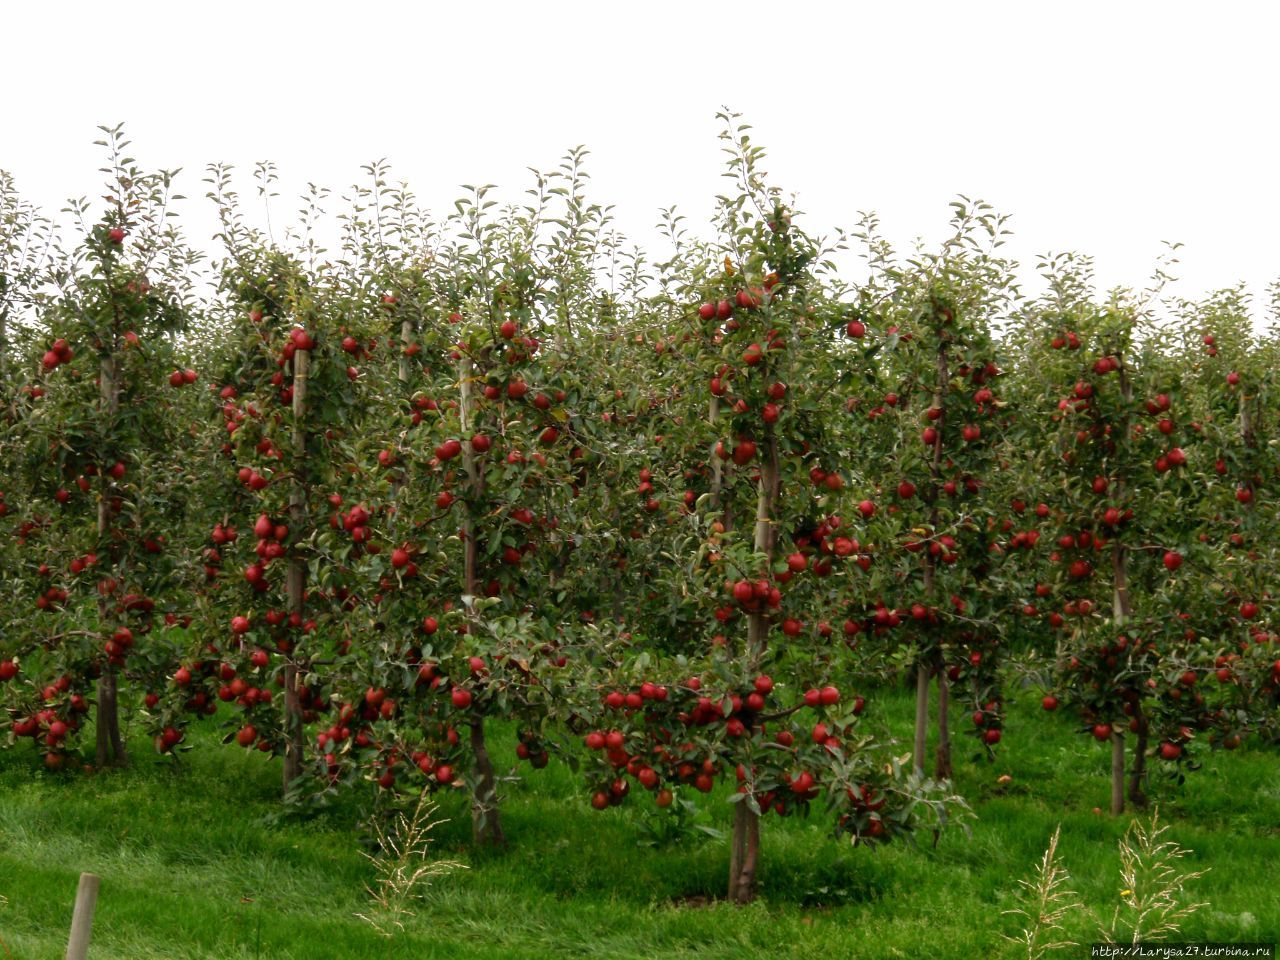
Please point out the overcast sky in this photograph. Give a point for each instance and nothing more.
(1105, 128)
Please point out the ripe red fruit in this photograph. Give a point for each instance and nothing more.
(867, 509)
(707, 311)
(115, 235)
(1248, 610)
(399, 557)
(1172, 560)
(1102, 731)
(1050, 702)
(508, 329)
(991, 737)
(182, 676)
(856, 329)
(829, 696)
(246, 735)
(1170, 751)
(764, 685)
(176, 379)
(797, 562)
(8, 670)
(461, 698)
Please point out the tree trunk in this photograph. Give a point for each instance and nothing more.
(744, 846)
(404, 375)
(1138, 775)
(1117, 773)
(931, 658)
(110, 747)
(744, 854)
(486, 825)
(717, 465)
(406, 333)
(1119, 617)
(486, 822)
(4, 344)
(942, 769)
(296, 576)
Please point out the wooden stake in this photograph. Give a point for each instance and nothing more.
(82, 917)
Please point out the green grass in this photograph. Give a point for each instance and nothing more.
(197, 863)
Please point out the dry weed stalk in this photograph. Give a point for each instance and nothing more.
(404, 870)
(1043, 903)
(1150, 907)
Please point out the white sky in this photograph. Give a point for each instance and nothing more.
(1101, 127)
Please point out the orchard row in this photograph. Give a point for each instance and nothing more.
(678, 520)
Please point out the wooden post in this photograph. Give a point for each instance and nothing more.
(82, 918)
(296, 575)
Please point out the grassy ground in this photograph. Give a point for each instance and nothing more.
(195, 863)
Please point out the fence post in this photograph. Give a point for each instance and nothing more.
(82, 919)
